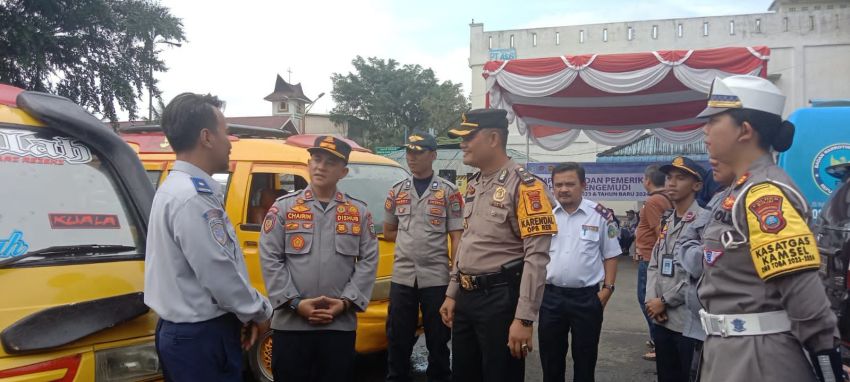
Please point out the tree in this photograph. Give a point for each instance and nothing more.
(384, 100)
(98, 53)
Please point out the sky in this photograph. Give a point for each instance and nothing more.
(235, 49)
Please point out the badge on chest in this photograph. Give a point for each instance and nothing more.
(667, 265)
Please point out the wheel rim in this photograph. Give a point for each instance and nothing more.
(264, 356)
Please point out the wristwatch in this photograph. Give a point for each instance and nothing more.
(293, 304)
(609, 287)
(526, 323)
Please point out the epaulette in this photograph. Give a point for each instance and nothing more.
(604, 212)
(398, 183)
(525, 176)
(355, 199)
(448, 184)
(289, 195)
(473, 177)
(201, 186)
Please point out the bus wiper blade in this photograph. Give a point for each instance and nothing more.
(69, 249)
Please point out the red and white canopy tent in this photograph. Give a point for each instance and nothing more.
(614, 98)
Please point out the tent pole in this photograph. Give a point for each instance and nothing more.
(527, 147)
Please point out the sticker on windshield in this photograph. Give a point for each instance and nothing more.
(13, 246)
(84, 221)
(20, 146)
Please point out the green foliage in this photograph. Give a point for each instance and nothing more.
(382, 100)
(98, 53)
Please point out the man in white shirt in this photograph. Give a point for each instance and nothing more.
(583, 254)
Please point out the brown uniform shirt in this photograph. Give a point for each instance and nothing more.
(421, 246)
(507, 215)
(774, 267)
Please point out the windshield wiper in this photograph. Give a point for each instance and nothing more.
(68, 250)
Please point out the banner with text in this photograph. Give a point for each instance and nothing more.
(605, 181)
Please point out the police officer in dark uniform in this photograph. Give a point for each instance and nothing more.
(497, 282)
(195, 275)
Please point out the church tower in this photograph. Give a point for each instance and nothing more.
(288, 100)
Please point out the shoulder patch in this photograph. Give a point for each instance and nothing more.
(602, 210)
(534, 211)
(780, 239)
(201, 186)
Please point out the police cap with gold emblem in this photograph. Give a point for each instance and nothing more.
(421, 141)
(476, 119)
(330, 144)
(685, 164)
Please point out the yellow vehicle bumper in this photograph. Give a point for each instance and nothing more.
(372, 328)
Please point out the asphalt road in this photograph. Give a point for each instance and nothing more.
(622, 344)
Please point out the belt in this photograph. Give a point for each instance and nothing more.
(485, 281)
(753, 324)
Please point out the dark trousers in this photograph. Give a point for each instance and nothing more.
(480, 336)
(641, 296)
(402, 319)
(313, 355)
(200, 351)
(674, 354)
(566, 310)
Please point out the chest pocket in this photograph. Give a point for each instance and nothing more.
(403, 214)
(435, 217)
(347, 245)
(299, 239)
(495, 214)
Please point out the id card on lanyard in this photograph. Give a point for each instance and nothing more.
(667, 265)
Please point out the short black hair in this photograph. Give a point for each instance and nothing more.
(503, 135)
(185, 116)
(655, 176)
(570, 166)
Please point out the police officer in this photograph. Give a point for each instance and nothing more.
(195, 276)
(319, 256)
(666, 285)
(420, 211)
(497, 282)
(765, 308)
(689, 254)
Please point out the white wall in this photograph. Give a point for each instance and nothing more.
(808, 60)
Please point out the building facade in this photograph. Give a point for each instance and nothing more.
(809, 42)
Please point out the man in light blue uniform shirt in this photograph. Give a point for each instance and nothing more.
(583, 254)
(195, 275)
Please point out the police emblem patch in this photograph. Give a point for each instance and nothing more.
(341, 228)
(268, 223)
(299, 208)
(500, 193)
(218, 231)
(436, 222)
(297, 242)
(291, 226)
(711, 256)
(768, 210)
(340, 209)
(689, 216)
(388, 205)
(355, 229)
(738, 325)
(439, 194)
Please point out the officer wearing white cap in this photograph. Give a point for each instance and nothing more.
(765, 310)
(421, 212)
(195, 275)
